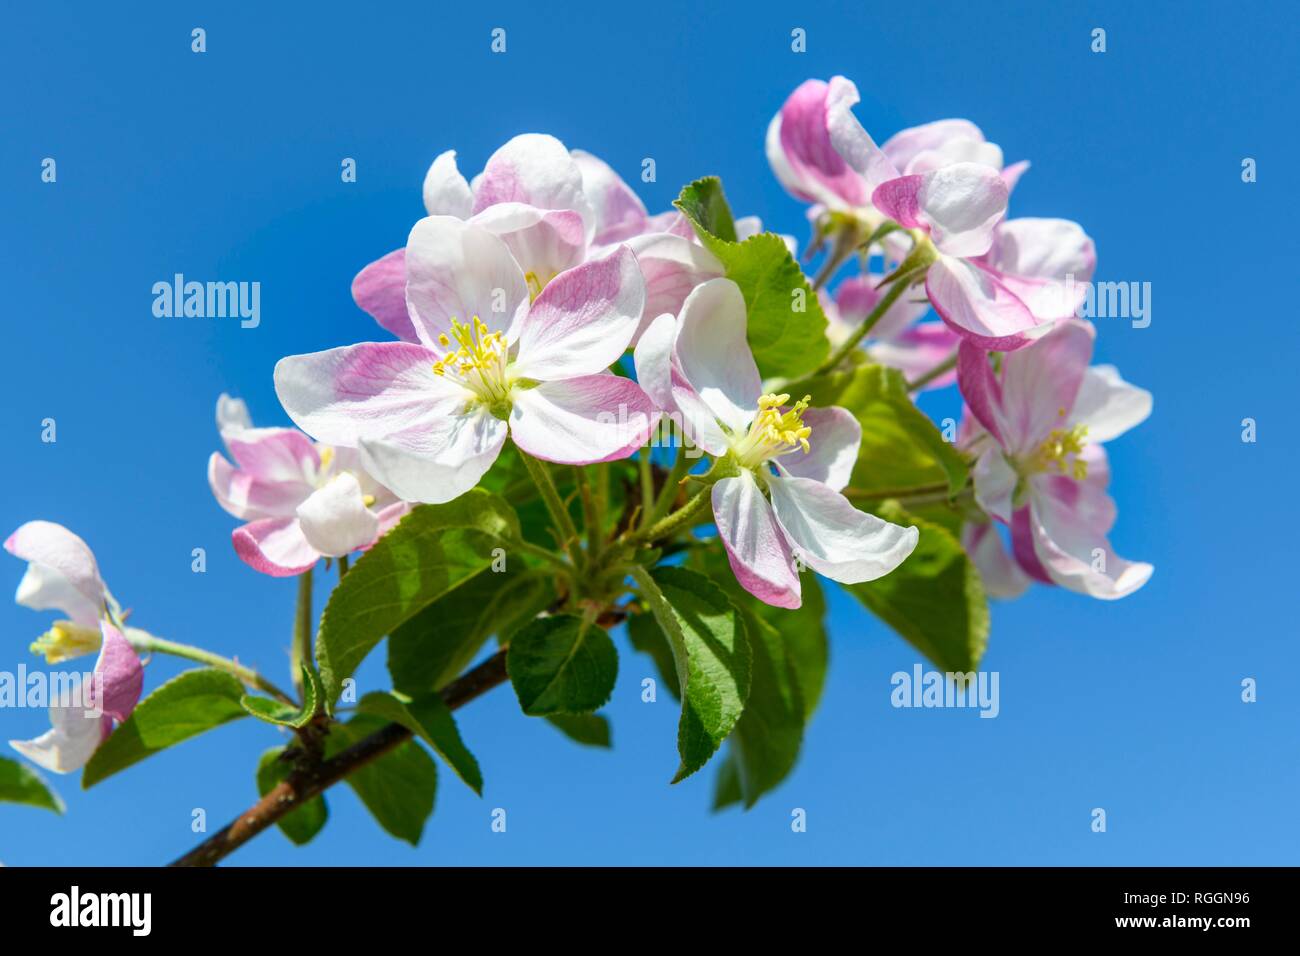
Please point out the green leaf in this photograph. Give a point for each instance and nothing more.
(706, 206)
(712, 659)
(790, 657)
(648, 637)
(184, 707)
(901, 448)
(20, 784)
(277, 712)
(562, 665)
(432, 550)
(429, 719)
(436, 645)
(934, 599)
(299, 825)
(589, 729)
(398, 788)
(787, 327)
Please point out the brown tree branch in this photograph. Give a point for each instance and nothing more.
(309, 781)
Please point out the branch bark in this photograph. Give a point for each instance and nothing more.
(310, 781)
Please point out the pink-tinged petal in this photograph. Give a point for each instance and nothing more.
(1108, 405)
(1041, 383)
(858, 295)
(459, 270)
(756, 549)
(917, 350)
(800, 148)
(980, 388)
(583, 320)
(274, 546)
(232, 414)
(1011, 174)
(580, 421)
(445, 191)
(852, 142)
(978, 307)
(73, 737)
(653, 357)
(380, 290)
(834, 538)
(1022, 547)
(1047, 263)
(672, 267)
(1001, 576)
(959, 204)
(619, 212)
(119, 676)
(249, 498)
(833, 448)
(995, 483)
(672, 222)
(389, 517)
(1069, 521)
(343, 395)
(698, 421)
(900, 200)
(437, 460)
(335, 520)
(904, 146)
(61, 575)
(274, 454)
(960, 150)
(536, 169)
(714, 356)
(544, 242)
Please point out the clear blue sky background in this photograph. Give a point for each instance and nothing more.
(226, 166)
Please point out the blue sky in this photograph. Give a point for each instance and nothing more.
(225, 166)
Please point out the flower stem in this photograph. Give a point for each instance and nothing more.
(668, 494)
(150, 644)
(301, 652)
(647, 483)
(943, 368)
(677, 521)
(529, 548)
(560, 519)
(875, 315)
(590, 514)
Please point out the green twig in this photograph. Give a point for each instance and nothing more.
(147, 643)
(560, 519)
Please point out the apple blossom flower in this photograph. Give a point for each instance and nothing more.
(995, 283)
(897, 340)
(821, 154)
(302, 501)
(783, 499)
(1037, 431)
(554, 208)
(62, 575)
(80, 722)
(492, 359)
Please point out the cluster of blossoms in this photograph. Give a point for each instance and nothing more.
(511, 312)
(932, 203)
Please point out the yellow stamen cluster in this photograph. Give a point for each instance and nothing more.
(65, 641)
(773, 432)
(479, 359)
(1061, 450)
